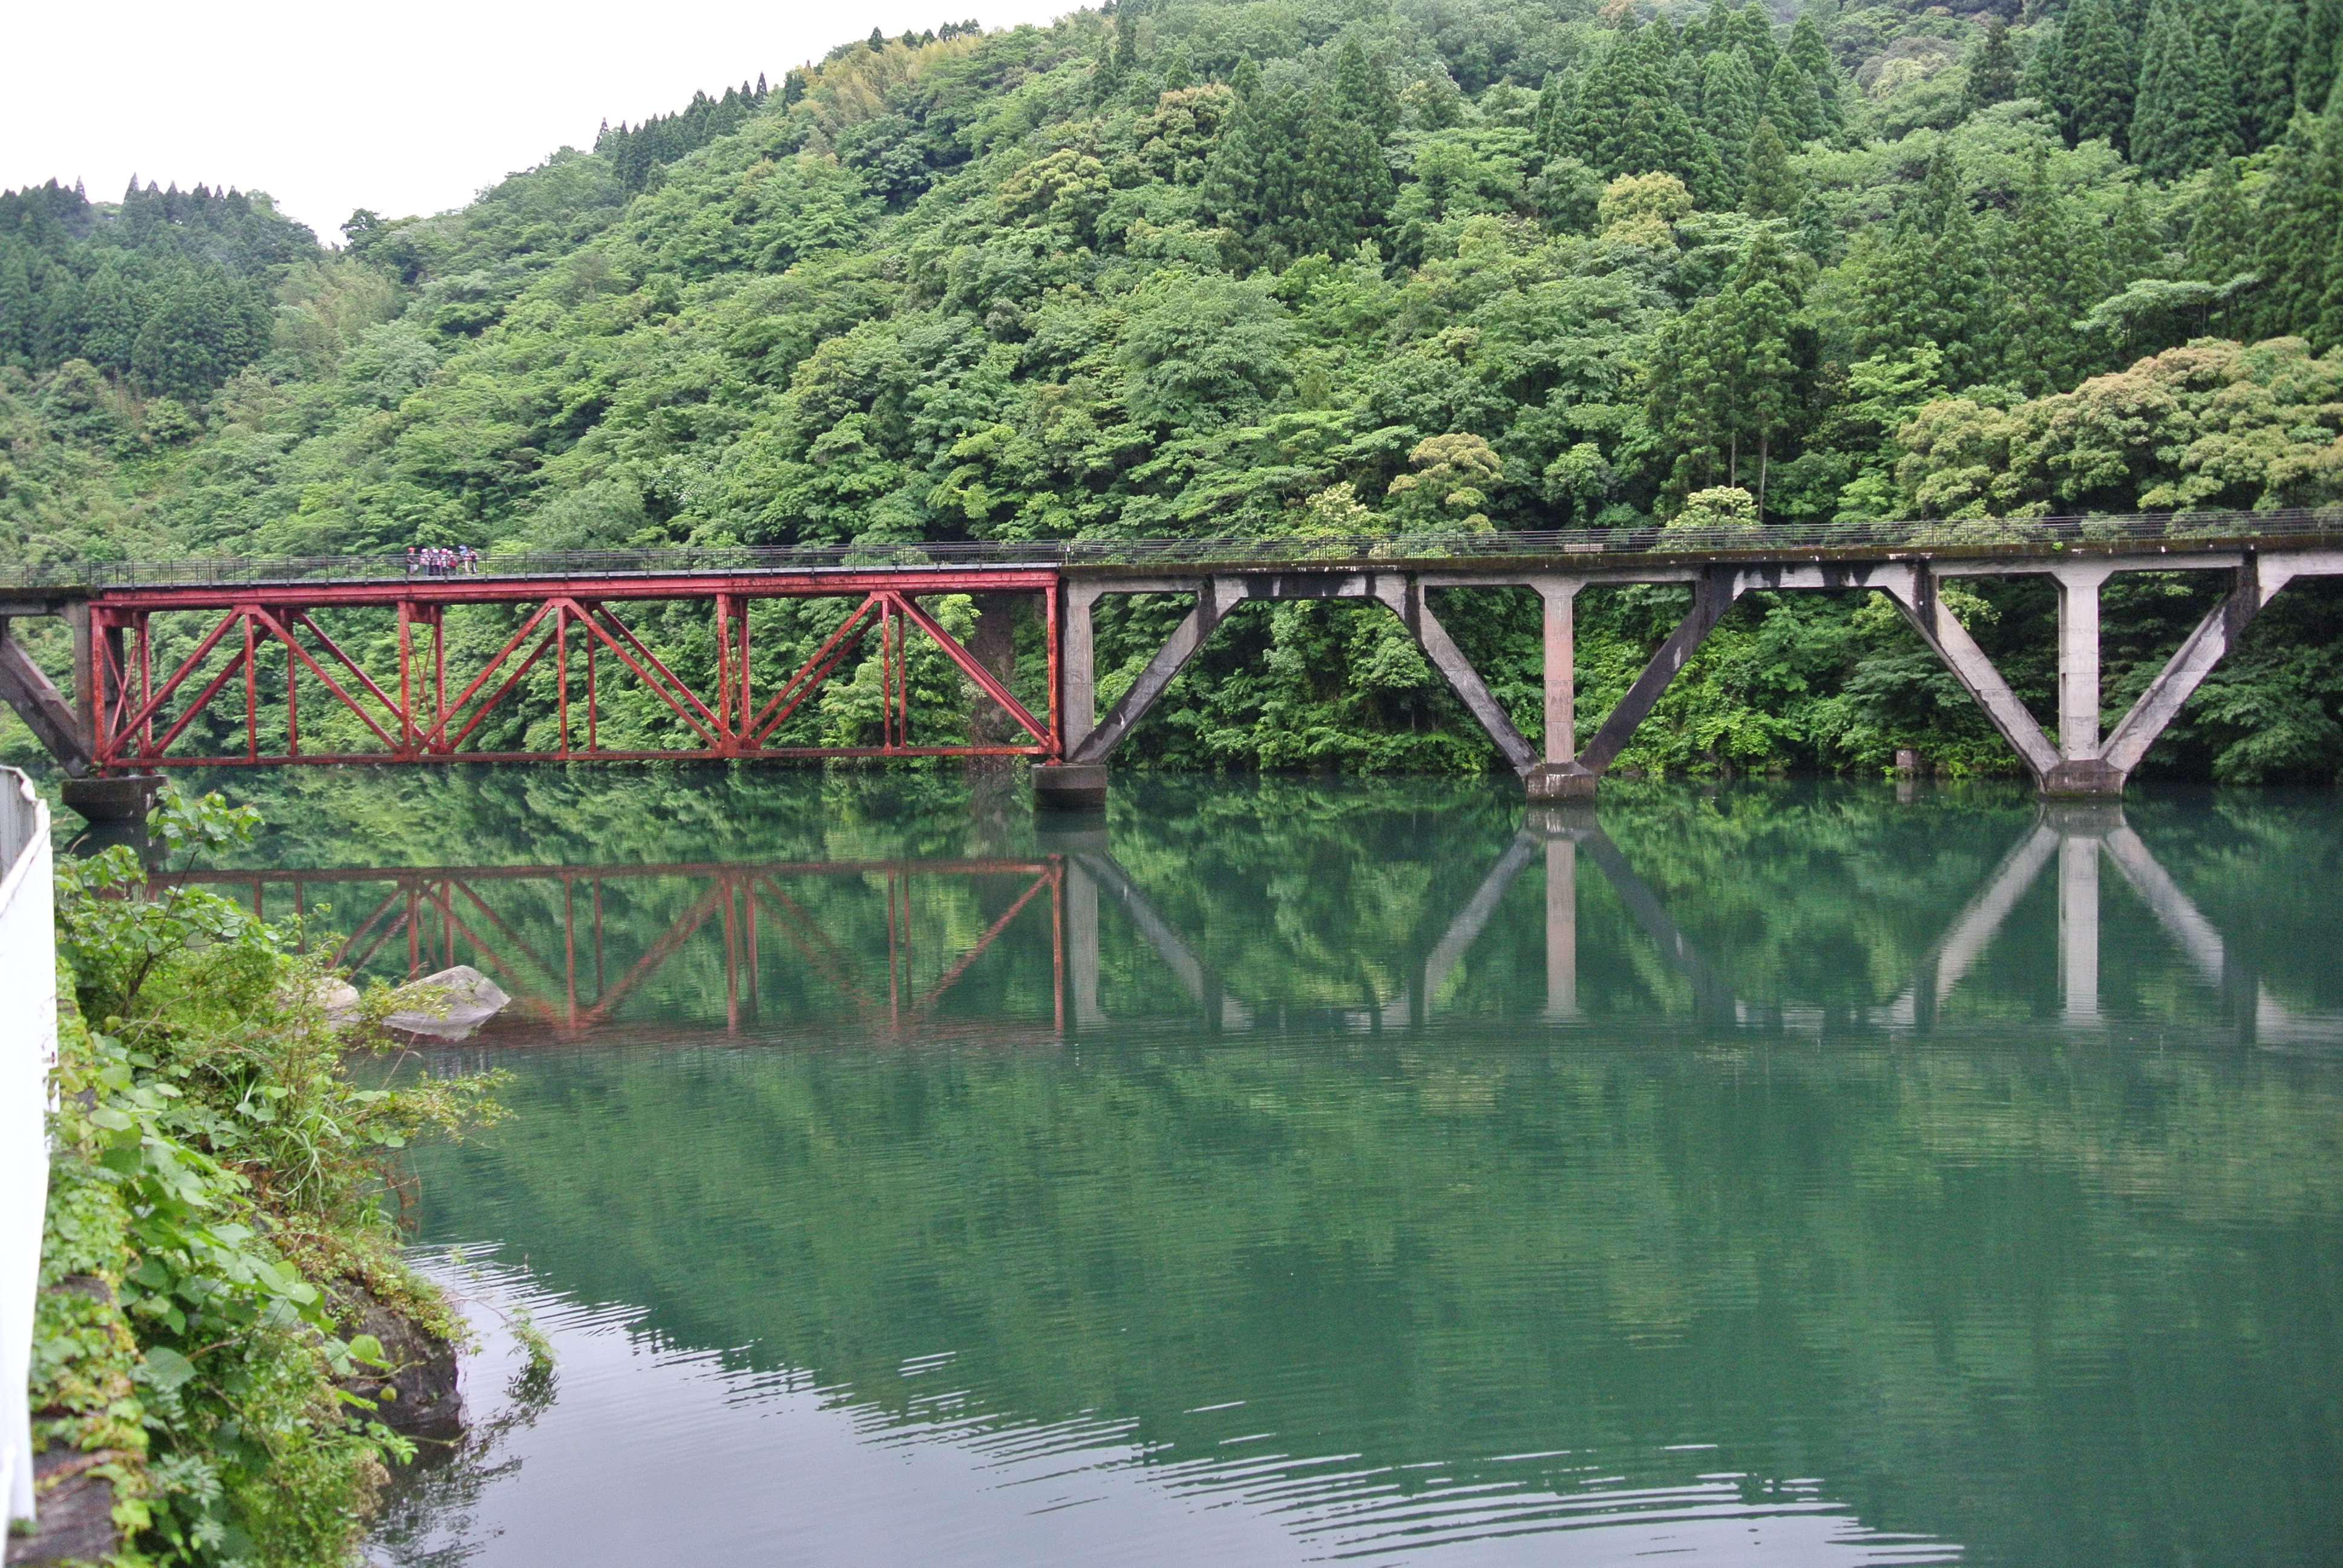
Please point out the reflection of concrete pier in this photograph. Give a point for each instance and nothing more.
(1561, 929)
(2079, 926)
(1465, 928)
(1091, 870)
(1565, 830)
(2078, 835)
(1094, 879)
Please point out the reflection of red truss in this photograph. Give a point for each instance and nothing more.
(140, 716)
(437, 906)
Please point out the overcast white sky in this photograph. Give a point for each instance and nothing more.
(403, 108)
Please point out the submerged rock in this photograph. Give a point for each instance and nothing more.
(449, 1005)
(414, 1392)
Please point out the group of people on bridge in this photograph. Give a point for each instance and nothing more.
(442, 560)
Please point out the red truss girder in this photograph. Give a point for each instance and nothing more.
(138, 717)
(436, 908)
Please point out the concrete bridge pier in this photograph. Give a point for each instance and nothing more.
(1078, 783)
(2083, 763)
(1069, 786)
(2081, 773)
(1560, 776)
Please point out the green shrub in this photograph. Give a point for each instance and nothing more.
(219, 1176)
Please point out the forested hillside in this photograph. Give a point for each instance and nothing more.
(1197, 266)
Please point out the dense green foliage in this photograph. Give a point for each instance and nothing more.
(215, 1194)
(1338, 266)
(171, 292)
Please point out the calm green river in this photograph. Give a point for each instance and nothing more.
(1284, 1171)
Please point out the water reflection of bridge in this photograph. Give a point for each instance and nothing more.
(2078, 837)
(443, 918)
(568, 984)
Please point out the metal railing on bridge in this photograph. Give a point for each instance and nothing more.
(2015, 537)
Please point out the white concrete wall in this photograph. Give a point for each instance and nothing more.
(28, 1051)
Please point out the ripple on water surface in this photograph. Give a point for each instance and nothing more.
(639, 1451)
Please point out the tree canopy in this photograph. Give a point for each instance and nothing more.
(1234, 266)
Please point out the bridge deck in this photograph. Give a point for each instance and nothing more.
(965, 567)
(133, 703)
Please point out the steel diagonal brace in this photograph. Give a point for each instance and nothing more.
(283, 633)
(839, 646)
(202, 699)
(666, 686)
(970, 667)
(301, 617)
(162, 694)
(436, 735)
(481, 712)
(110, 669)
(1214, 601)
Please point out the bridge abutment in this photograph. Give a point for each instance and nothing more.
(2084, 778)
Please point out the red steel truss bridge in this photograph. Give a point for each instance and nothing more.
(263, 647)
(249, 642)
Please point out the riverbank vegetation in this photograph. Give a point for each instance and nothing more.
(1189, 266)
(220, 1269)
